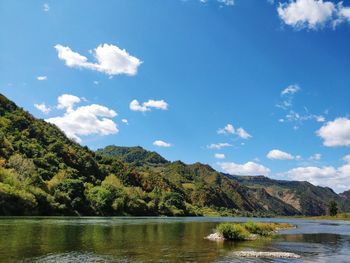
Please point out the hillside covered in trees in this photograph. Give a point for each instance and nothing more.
(42, 172)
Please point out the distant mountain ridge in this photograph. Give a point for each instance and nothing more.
(42, 172)
(275, 196)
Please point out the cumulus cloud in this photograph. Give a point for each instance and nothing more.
(249, 168)
(125, 121)
(229, 129)
(279, 155)
(67, 101)
(219, 146)
(84, 120)
(41, 77)
(148, 105)
(219, 156)
(313, 14)
(335, 133)
(110, 60)
(160, 143)
(43, 108)
(306, 13)
(336, 178)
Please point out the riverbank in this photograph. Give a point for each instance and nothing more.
(345, 217)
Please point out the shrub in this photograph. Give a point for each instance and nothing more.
(233, 231)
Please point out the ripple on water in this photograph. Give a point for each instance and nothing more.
(76, 257)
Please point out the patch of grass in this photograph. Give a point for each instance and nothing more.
(243, 231)
(233, 231)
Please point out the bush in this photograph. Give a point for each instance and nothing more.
(233, 231)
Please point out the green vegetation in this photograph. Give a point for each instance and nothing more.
(232, 231)
(42, 172)
(333, 208)
(249, 230)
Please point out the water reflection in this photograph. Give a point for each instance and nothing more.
(155, 240)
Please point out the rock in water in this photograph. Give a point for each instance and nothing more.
(215, 237)
(255, 254)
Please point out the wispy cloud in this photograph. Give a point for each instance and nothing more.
(230, 129)
(290, 114)
(219, 146)
(46, 7)
(160, 143)
(41, 78)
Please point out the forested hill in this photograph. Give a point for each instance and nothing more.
(42, 172)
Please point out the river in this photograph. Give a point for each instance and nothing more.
(160, 239)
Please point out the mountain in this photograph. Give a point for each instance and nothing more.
(345, 196)
(305, 198)
(42, 172)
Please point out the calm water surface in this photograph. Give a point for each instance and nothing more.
(160, 240)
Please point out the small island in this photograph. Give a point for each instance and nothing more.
(247, 231)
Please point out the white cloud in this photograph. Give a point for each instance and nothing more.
(46, 7)
(41, 78)
(227, 2)
(125, 121)
(344, 13)
(243, 134)
(346, 158)
(335, 133)
(227, 129)
(67, 101)
(219, 146)
(160, 143)
(43, 108)
(336, 178)
(313, 14)
(111, 60)
(315, 157)
(279, 155)
(219, 156)
(84, 120)
(249, 168)
(148, 105)
(291, 89)
(306, 13)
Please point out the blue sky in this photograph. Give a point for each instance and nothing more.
(274, 73)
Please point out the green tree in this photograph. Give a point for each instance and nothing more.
(333, 208)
